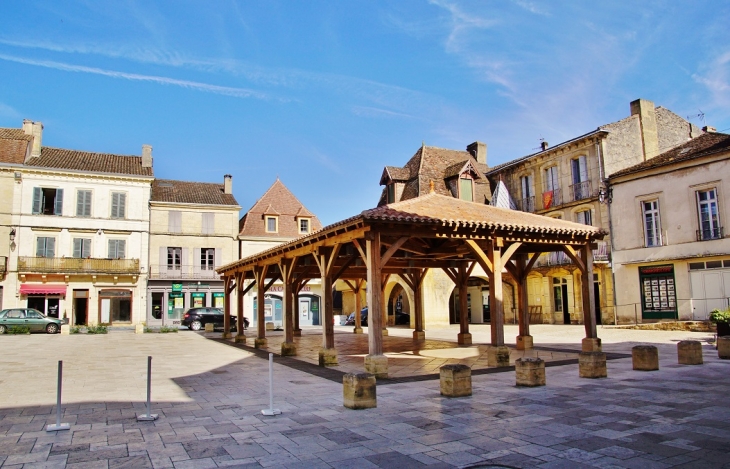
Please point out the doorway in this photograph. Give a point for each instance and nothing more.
(597, 299)
(560, 295)
(80, 307)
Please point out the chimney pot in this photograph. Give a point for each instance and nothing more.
(647, 123)
(709, 129)
(228, 184)
(146, 156)
(479, 151)
(544, 145)
(36, 130)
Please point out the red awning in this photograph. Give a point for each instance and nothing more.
(27, 289)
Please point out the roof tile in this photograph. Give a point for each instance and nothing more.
(185, 192)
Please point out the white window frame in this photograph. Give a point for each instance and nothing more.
(82, 246)
(308, 228)
(173, 250)
(83, 207)
(46, 241)
(276, 223)
(582, 214)
(651, 220)
(121, 205)
(207, 258)
(113, 253)
(715, 228)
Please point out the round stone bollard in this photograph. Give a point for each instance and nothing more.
(530, 372)
(645, 357)
(455, 380)
(723, 347)
(358, 391)
(689, 352)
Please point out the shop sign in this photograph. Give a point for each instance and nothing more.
(176, 295)
(177, 287)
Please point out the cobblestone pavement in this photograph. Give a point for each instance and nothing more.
(209, 396)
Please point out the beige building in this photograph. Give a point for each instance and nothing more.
(193, 229)
(671, 256)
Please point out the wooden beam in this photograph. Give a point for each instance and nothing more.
(507, 255)
(359, 248)
(570, 252)
(392, 249)
(480, 255)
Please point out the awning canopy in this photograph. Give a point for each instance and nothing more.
(27, 289)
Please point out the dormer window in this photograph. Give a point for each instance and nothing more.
(391, 193)
(304, 226)
(466, 187)
(272, 224)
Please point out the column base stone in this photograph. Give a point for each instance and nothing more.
(328, 357)
(524, 342)
(288, 349)
(591, 345)
(723, 347)
(385, 332)
(530, 372)
(455, 380)
(297, 332)
(377, 365)
(463, 338)
(498, 356)
(419, 335)
(259, 343)
(592, 365)
(358, 391)
(226, 335)
(240, 339)
(357, 330)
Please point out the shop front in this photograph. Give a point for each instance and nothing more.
(658, 294)
(46, 298)
(169, 300)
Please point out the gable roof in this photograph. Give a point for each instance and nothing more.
(59, 158)
(704, 145)
(185, 192)
(277, 200)
(14, 145)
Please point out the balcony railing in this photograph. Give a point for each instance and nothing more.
(72, 265)
(552, 199)
(708, 234)
(527, 204)
(553, 259)
(581, 190)
(197, 272)
(601, 254)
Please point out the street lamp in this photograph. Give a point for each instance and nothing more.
(12, 239)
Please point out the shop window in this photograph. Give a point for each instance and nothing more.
(709, 217)
(658, 295)
(174, 221)
(304, 225)
(83, 203)
(82, 247)
(115, 306)
(119, 205)
(45, 247)
(207, 259)
(272, 224)
(652, 225)
(47, 201)
(117, 248)
(174, 258)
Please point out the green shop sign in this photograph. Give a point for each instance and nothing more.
(177, 286)
(198, 295)
(176, 295)
(217, 294)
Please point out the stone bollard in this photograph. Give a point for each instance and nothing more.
(358, 391)
(723, 347)
(65, 329)
(592, 365)
(498, 356)
(139, 328)
(270, 326)
(645, 357)
(209, 327)
(530, 371)
(455, 380)
(288, 349)
(689, 352)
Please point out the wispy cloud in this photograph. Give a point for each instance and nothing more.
(8, 112)
(716, 78)
(532, 7)
(224, 90)
(365, 111)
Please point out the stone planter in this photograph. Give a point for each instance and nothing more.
(723, 347)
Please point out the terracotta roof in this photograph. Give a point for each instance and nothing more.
(185, 192)
(60, 158)
(14, 145)
(458, 168)
(279, 200)
(394, 173)
(704, 145)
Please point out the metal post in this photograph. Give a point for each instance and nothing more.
(636, 315)
(271, 410)
(149, 416)
(58, 425)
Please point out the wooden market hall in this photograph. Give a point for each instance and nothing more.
(406, 239)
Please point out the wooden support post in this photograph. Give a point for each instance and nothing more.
(591, 343)
(227, 288)
(260, 275)
(524, 339)
(464, 336)
(375, 362)
(498, 353)
(325, 258)
(358, 307)
(240, 331)
(286, 268)
(414, 279)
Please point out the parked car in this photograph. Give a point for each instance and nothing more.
(195, 319)
(400, 318)
(32, 318)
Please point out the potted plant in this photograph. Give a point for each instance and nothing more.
(722, 320)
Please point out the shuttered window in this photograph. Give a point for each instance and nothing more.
(208, 222)
(174, 222)
(47, 201)
(83, 203)
(117, 249)
(119, 205)
(45, 247)
(82, 247)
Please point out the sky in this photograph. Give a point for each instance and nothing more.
(324, 94)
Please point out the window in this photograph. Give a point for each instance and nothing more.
(581, 185)
(652, 226)
(391, 193)
(304, 225)
(272, 225)
(119, 205)
(466, 188)
(174, 222)
(551, 197)
(82, 247)
(117, 248)
(528, 194)
(584, 217)
(45, 247)
(174, 258)
(83, 203)
(207, 259)
(709, 218)
(47, 201)
(208, 222)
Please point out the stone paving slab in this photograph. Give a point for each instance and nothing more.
(210, 414)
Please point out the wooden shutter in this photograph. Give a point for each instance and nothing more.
(37, 200)
(218, 257)
(50, 247)
(78, 245)
(115, 205)
(112, 250)
(162, 261)
(40, 247)
(58, 206)
(196, 259)
(83, 203)
(174, 221)
(122, 205)
(121, 249)
(185, 262)
(86, 248)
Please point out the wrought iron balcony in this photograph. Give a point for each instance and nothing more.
(73, 265)
(182, 272)
(552, 198)
(528, 204)
(710, 233)
(581, 190)
(601, 254)
(554, 259)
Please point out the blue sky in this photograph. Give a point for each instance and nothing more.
(324, 94)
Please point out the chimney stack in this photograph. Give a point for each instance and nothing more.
(146, 156)
(479, 151)
(647, 123)
(709, 129)
(36, 130)
(228, 184)
(544, 145)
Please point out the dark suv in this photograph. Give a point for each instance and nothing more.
(196, 318)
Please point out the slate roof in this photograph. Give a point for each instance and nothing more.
(277, 200)
(14, 145)
(59, 158)
(185, 192)
(704, 145)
